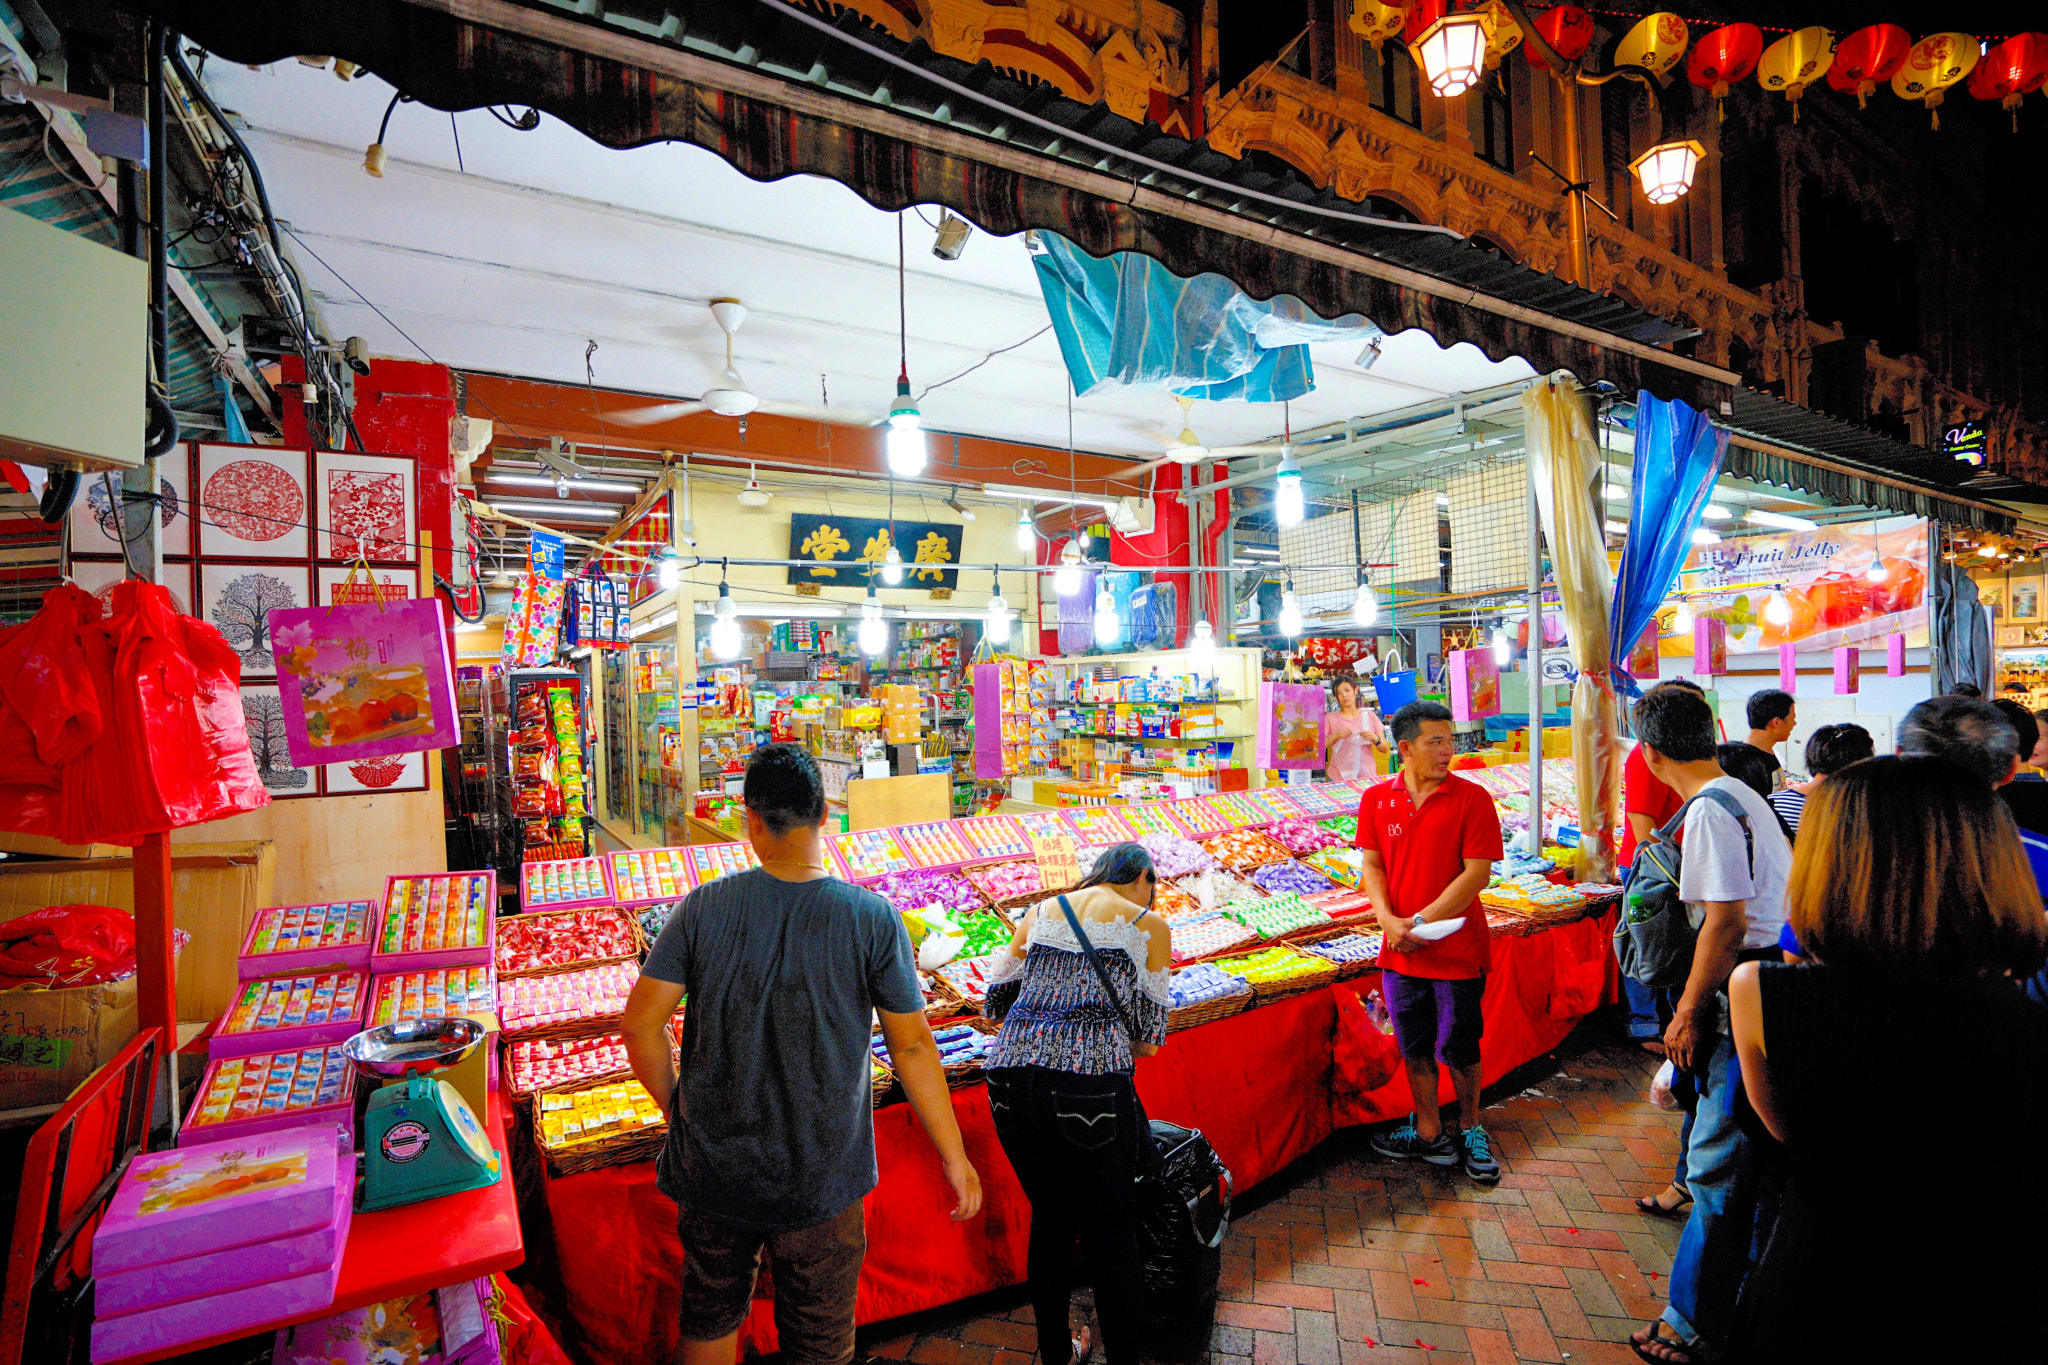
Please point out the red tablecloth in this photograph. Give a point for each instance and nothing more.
(1256, 1084)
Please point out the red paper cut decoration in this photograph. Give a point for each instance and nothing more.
(253, 500)
(1567, 28)
(366, 514)
(378, 772)
(1723, 57)
(1867, 57)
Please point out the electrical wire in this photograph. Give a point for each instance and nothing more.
(1000, 350)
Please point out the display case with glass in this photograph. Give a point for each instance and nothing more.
(657, 734)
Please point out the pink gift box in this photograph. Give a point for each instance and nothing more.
(151, 1287)
(1895, 656)
(1475, 683)
(1642, 659)
(204, 1123)
(468, 1334)
(1848, 670)
(242, 1193)
(159, 1328)
(320, 1007)
(351, 950)
(400, 915)
(554, 884)
(1788, 667)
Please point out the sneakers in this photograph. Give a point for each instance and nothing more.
(1469, 1149)
(1405, 1144)
(1475, 1154)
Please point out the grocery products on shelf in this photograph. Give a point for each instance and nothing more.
(289, 937)
(448, 916)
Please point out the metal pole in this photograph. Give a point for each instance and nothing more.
(1574, 172)
(1534, 663)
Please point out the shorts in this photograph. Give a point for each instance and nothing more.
(815, 1270)
(1431, 1016)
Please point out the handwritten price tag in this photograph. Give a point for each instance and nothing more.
(1057, 867)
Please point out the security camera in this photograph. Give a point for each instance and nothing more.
(356, 352)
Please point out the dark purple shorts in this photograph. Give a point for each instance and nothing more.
(1431, 1016)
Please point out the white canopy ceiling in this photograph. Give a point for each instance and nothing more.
(516, 254)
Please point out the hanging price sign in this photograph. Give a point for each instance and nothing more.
(1057, 866)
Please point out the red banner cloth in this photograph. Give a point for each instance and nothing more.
(1256, 1084)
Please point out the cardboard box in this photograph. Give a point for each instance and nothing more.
(216, 890)
(50, 1041)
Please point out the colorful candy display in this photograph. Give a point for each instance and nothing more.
(959, 1043)
(287, 1002)
(542, 1064)
(588, 1115)
(1347, 948)
(1175, 856)
(919, 890)
(984, 934)
(433, 913)
(1277, 916)
(1344, 866)
(1274, 965)
(934, 845)
(529, 943)
(1303, 836)
(653, 874)
(970, 975)
(1243, 849)
(1099, 825)
(1217, 887)
(529, 1003)
(993, 836)
(273, 1084)
(1204, 981)
(1291, 878)
(1530, 892)
(1345, 827)
(1008, 881)
(432, 991)
(709, 862)
(655, 918)
(870, 853)
(1206, 934)
(1171, 901)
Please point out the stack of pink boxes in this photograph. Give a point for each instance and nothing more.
(201, 1241)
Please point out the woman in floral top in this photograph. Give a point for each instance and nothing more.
(1059, 1082)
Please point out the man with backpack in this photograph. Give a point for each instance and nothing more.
(1708, 891)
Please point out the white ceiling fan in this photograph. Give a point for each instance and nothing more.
(1187, 448)
(730, 396)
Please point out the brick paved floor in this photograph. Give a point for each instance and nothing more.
(1348, 1259)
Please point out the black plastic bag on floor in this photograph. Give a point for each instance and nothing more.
(1183, 1213)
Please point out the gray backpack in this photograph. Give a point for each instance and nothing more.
(1657, 930)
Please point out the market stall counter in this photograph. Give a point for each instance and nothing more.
(1257, 1084)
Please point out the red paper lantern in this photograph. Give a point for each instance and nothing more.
(1868, 57)
(1724, 56)
(1421, 14)
(2011, 71)
(1567, 28)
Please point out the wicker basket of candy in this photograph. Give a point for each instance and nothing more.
(1244, 849)
(1204, 993)
(1278, 971)
(611, 1125)
(569, 1004)
(1010, 884)
(1356, 951)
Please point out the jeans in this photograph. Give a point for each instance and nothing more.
(1075, 1142)
(1714, 1253)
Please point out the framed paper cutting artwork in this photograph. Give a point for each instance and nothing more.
(369, 776)
(252, 503)
(337, 591)
(237, 600)
(363, 505)
(94, 523)
(270, 744)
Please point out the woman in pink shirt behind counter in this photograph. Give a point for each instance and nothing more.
(1352, 736)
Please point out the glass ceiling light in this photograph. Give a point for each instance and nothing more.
(1287, 501)
(1107, 624)
(725, 626)
(892, 567)
(1290, 611)
(873, 632)
(998, 632)
(1066, 580)
(1027, 533)
(1365, 609)
(1667, 169)
(1452, 54)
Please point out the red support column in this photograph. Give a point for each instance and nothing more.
(156, 970)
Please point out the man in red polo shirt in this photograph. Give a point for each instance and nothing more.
(1430, 842)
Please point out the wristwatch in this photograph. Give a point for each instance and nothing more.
(1417, 922)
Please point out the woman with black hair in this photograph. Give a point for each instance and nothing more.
(1081, 993)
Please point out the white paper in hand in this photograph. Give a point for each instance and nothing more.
(1435, 929)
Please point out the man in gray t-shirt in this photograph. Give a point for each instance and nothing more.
(771, 1128)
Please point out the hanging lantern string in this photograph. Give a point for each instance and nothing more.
(1691, 22)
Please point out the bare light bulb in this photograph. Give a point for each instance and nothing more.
(668, 572)
(904, 447)
(1777, 609)
(1365, 609)
(998, 632)
(1877, 572)
(725, 638)
(1107, 624)
(1203, 645)
(1681, 619)
(1027, 534)
(1288, 508)
(1290, 614)
(1066, 580)
(1503, 647)
(892, 567)
(873, 633)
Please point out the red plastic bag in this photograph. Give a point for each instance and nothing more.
(1578, 986)
(67, 945)
(523, 1338)
(1363, 1058)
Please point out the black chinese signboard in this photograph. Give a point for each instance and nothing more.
(857, 542)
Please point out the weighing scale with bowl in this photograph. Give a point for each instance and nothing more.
(420, 1138)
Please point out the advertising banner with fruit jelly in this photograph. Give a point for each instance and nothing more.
(1852, 583)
